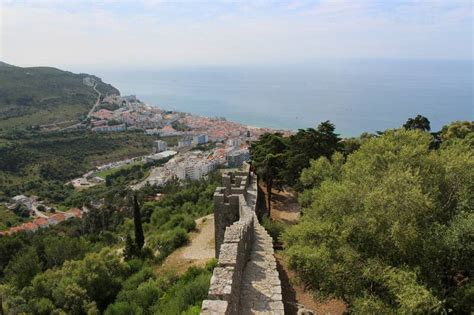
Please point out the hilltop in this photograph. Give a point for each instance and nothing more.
(44, 95)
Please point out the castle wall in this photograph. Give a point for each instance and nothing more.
(235, 227)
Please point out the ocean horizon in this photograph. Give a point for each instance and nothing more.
(355, 95)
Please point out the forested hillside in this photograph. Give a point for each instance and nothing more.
(96, 265)
(41, 164)
(387, 220)
(43, 95)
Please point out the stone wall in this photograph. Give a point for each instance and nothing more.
(227, 206)
(236, 224)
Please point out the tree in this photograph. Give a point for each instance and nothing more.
(457, 129)
(58, 249)
(391, 229)
(130, 249)
(419, 122)
(137, 221)
(268, 159)
(22, 211)
(9, 247)
(82, 286)
(23, 267)
(306, 145)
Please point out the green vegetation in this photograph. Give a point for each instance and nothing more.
(40, 164)
(76, 267)
(387, 219)
(92, 265)
(146, 293)
(170, 219)
(107, 106)
(279, 160)
(42, 95)
(179, 126)
(8, 218)
(204, 147)
(389, 229)
(112, 171)
(131, 173)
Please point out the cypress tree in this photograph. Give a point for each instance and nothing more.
(137, 220)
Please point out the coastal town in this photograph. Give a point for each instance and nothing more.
(204, 145)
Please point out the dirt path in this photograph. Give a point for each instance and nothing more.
(294, 294)
(199, 250)
(285, 208)
(96, 102)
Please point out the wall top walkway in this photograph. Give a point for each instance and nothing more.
(246, 279)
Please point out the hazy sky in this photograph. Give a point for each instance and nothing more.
(143, 33)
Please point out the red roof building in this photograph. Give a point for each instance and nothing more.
(30, 226)
(41, 222)
(76, 212)
(56, 218)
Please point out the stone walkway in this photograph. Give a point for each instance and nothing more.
(261, 287)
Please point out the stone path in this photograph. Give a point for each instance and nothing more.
(261, 287)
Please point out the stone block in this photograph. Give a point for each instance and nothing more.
(214, 307)
(234, 233)
(228, 255)
(221, 284)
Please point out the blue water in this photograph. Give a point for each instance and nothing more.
(356, 95)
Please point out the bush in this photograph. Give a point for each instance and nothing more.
(187, 294)
(170, 240)
(274, 228)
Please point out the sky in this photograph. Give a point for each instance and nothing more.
(147, 33)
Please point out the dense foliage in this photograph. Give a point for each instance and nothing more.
(390, 228)
(84, 267)
(279, 160)
(146, 293)
(39, 164)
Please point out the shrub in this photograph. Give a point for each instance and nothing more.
(274, 228)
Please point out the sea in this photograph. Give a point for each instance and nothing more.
(355, 95)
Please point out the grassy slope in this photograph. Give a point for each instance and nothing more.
(8, 218)
(42, 95)
(66, 155)
(71, 154)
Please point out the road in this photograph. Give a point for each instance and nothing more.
(38, 213)
(96, 102)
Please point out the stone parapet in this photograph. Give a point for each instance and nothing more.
(239, 238)
(234, 227)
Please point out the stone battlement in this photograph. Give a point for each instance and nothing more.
(236, 227)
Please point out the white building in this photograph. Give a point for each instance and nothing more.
(195, 169)
(159, 146)
(184, 143)
(234, 142)
(120, 127)
(160, 156)
(201, 139)
(237, 157)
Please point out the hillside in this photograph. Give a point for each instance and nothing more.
(44, 95)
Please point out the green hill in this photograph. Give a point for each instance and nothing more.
(44, 95)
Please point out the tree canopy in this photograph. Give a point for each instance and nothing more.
(419, 122)
(279, 160)
(391, 230)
